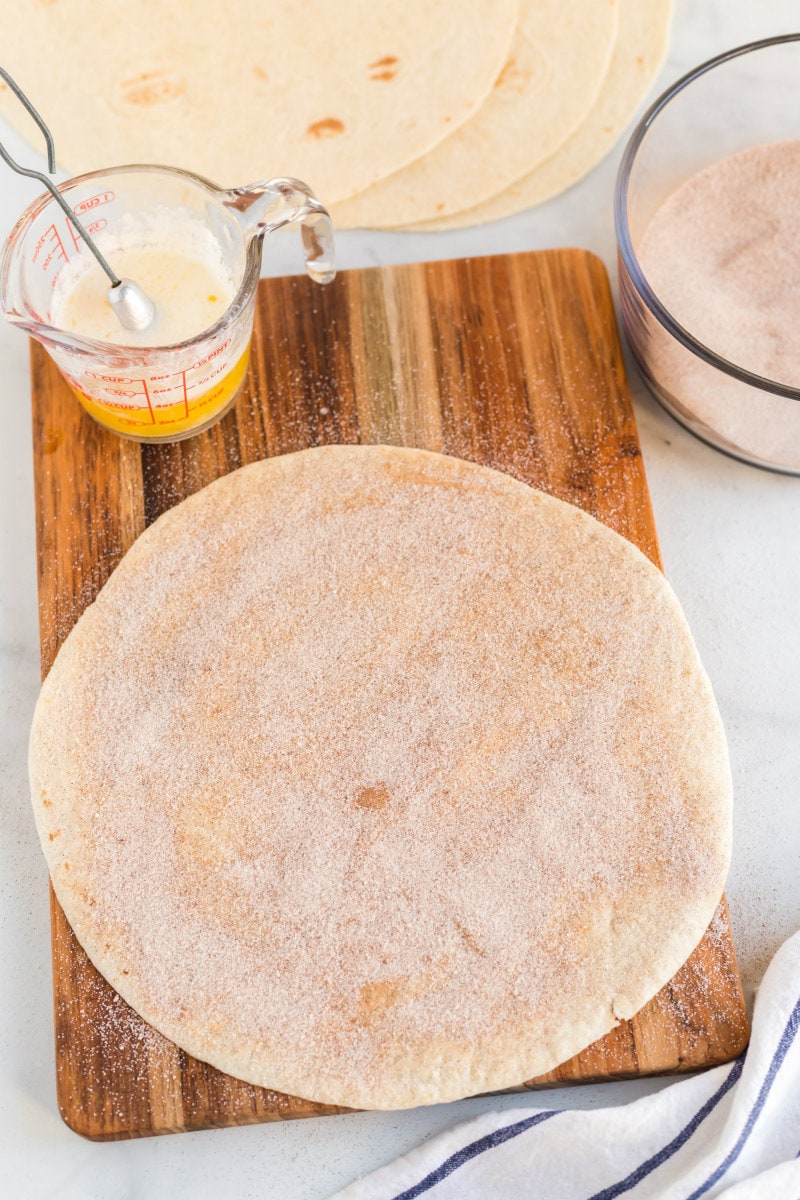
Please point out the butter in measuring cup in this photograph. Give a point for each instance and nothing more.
(177, 262)
(180, 265)
(194, 249)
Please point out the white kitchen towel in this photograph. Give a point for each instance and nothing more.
(732, 1132)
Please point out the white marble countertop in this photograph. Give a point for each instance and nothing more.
(731, 541)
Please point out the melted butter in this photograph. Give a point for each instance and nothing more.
(190, 295)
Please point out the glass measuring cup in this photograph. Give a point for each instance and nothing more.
(156, 393)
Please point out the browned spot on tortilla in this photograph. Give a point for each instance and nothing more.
(53, 836)
(512, 78)
(328, 127)
(439, 207)
(375, 998)
(151, 89)
(468, 938)
(260, 73)
(383, 68)
(373, 797)
(508, 66)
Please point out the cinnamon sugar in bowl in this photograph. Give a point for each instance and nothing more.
(708, 234)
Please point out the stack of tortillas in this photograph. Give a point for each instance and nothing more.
(376, 777)
(404, 113)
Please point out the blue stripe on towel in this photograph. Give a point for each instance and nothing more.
(466, 1153)
(680, 1139)
(472, 1151)
(784, 1045)
(511, 1131)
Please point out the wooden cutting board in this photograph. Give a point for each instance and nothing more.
(513, 361)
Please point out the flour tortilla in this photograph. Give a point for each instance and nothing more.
(339, 93)
(557, 62)
(376, 777)
(641, 46)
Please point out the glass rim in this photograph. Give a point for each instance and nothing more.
(625, 242)
(118, 352)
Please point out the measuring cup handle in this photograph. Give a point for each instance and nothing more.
(276, 202)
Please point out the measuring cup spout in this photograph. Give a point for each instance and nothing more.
(263, 207)
(47, 334)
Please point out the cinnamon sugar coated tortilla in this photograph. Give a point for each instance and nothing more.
(379, 778)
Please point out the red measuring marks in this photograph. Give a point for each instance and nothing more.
(185, 393)
(93, 202)
(92, 229)
(49, 248)
(197, 384)
(162, 391)
(172, 387)
(131, 389)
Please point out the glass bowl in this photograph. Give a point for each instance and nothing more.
(746, 97)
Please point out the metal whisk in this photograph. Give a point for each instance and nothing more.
(134, 310)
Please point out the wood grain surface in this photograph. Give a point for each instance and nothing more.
(513, 361)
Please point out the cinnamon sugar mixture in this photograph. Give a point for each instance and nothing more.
(375, 780)
(722, 253)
